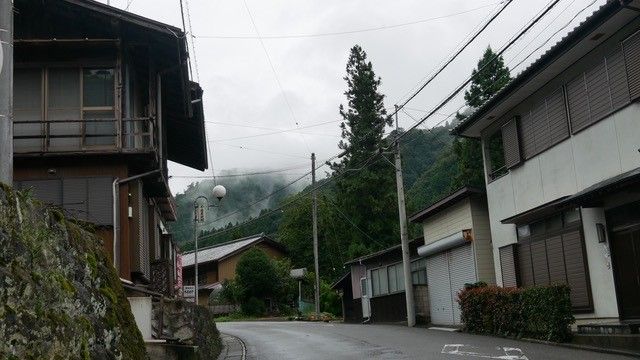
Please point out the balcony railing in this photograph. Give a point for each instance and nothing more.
(86, 135)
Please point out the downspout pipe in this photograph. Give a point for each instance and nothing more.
(116, 224)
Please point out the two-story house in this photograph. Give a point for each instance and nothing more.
(561, 152)
(102, 100)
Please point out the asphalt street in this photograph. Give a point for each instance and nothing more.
(303, 340)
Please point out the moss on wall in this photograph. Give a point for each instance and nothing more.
(60, 298)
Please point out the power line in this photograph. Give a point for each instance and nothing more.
(273, 69)
(347, 32)
(268, 128)
(450, 60)
(193, 44)
(262, 150)
(273, 133)
(555, 33)
(266, 172)
(496, 56)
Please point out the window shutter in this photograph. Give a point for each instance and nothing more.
(540, 264)
(540, 126)
(524, 265)
(47, 191)
(578, 103)
(557, 273)
(528, 140)
(598, 92)
(508, 266)
(576, 269)
(631, 48)
(511, 143)
(557, 117)
(617, 73)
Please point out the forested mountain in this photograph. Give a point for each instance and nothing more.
(357, 208)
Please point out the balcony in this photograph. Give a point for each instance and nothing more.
(95, 135)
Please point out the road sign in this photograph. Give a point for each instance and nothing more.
(189, 293)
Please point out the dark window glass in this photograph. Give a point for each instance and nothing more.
(97, 86)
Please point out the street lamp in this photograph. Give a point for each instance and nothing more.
(219, 192)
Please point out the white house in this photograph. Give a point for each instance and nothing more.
(561, 152)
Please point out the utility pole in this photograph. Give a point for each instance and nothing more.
(6, 91)
(195, 253)
(404, 235)
(315, 232)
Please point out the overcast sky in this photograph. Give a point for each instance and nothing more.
(240, 87)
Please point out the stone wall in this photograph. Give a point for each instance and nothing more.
(60, 298)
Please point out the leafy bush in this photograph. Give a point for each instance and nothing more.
(253, 307)
(541, 312)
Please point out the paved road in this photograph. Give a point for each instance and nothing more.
(301, 340)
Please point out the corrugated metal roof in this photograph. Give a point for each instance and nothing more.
(221, 251)
(570, 39)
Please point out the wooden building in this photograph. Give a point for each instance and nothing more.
(218, 263)
(102, 100)
(373, 289)
(457, 249)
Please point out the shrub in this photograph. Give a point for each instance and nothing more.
(541, 312)
(253, 307)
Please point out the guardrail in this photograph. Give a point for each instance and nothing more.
(79, 135)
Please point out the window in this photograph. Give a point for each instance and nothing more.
(495, 156)
(419, 272)
(98, 106)
(396, 278)
(379, 282)
(552, 252)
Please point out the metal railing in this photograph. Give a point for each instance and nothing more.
(84, 135)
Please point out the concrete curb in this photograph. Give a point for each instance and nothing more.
(585, 347)
(233, 348)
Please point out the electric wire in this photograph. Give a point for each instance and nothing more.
(470, 78)
(262, 150)
(347, 32)
(452, 58)
(273, 69)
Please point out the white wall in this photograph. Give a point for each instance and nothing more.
(451, 220)
(141, 309)
(605, 149)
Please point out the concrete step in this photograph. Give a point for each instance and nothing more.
(626, 342)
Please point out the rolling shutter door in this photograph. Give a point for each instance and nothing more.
(75, 197)
(576, 269)
(508, 266)
(511, 143)
(439, 289)
(631, 48)
(462, 270)
(47, 191)
(100, 200)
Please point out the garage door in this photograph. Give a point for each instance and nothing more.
(447, 273)
(439, 289)
(463, 271)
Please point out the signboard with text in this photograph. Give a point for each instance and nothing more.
(189, 293)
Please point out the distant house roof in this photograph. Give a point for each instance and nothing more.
(445, 202)
(413, 244)
(576, 44)
(224, 250)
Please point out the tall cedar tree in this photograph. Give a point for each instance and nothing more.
(366, 196)
(486, 83)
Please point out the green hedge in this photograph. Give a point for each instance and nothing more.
(541, 312)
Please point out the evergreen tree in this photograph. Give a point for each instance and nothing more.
(488, 78)
(366, 196)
